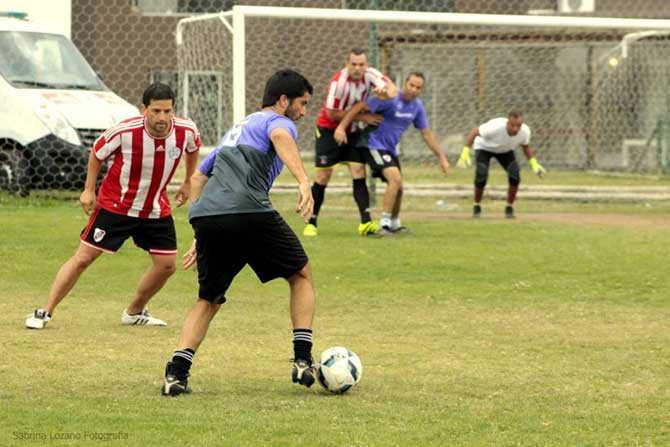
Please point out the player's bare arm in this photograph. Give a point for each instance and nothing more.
(430, 141)
(340, 134)
(465, 159)
(528, 151)
(474, 133)
(88, 199)
(371, 119)
(534, 164)
(387, 91)
(185, 188)
(198, 180)
(288, 152)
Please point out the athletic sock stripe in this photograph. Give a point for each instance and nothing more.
(183, 354)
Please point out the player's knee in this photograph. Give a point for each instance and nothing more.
(513, 174)
(481, 175)
(357, 171)
(169, 269)
(82, 262)
(165, 266)
(304, 274)
(323, 176)
(393, 177)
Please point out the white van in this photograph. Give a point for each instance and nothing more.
(52, 107)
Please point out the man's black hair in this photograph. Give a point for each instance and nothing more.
(285, 82)
(418, 74)
(157, 91)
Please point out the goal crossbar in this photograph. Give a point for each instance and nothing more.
(240, 12)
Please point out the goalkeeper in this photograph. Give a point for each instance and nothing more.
(497, 139)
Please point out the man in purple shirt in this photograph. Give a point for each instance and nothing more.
(399, 112)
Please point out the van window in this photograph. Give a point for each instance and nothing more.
(40, 60)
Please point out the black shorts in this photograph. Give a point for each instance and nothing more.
(505, 158)
(108, 231)
(380, 160)
(329, 153)
(226, 243)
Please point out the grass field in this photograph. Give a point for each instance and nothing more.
(539, 331)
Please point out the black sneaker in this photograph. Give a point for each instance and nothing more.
(476, 211)
(509, 212)
(174, 386)
(303, 372)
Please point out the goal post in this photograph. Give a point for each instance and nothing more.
(586, 85)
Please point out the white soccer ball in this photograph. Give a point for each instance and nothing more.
(339, 369)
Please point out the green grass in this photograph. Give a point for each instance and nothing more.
(429, 172)
(472, 333)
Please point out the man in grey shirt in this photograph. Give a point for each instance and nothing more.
(235, 224)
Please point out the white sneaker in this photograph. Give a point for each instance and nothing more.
(38, 319)
(142, 319)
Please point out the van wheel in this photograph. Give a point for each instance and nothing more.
(14, 171)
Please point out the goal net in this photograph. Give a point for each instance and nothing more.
(593, 90)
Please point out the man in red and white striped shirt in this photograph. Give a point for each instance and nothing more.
(348, 86)
(132, 201)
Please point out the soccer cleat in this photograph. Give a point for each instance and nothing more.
(402, 230)
(173, 386)
(509, 212)
(303, 372)
(368, 228)
(144, 318)
(476, 211)
(310, 230)
(38, 319)
(385, 231)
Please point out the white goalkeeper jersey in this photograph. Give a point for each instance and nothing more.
(493, 137)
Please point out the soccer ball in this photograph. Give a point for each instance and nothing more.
(339, 369)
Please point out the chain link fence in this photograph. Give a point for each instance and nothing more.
(589, 105)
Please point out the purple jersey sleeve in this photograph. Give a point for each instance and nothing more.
(282, 122)
(378, 105)
(421, 120)
(208, 163)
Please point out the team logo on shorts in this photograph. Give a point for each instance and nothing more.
(173, 152)
(386, 158)
(323, 160)
(98, 234)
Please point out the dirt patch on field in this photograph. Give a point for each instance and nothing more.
(567, 218)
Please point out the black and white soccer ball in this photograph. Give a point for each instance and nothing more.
(339, 369)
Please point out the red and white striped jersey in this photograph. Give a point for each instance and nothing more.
(344, 92)
(143, 166)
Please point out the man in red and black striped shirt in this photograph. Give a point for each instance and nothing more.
(132, 201)
(354, 83)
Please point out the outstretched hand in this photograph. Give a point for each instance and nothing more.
(88, 202)
(340, 136)
(305, 205)
(190, 258)
(465, 159)
(444, 165)
(537, 167)
(183, 194)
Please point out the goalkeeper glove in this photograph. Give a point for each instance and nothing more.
(464, 160)
(536, 167)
